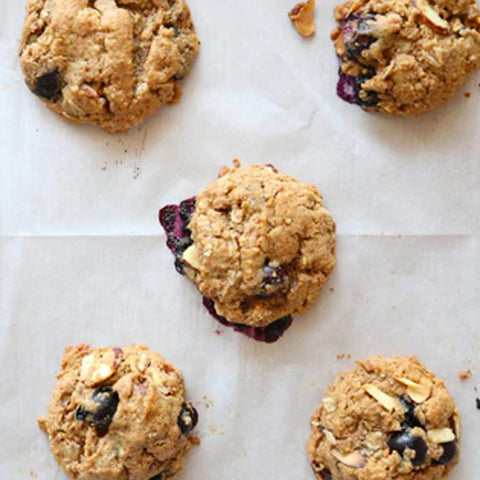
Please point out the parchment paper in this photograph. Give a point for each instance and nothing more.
(83, 257)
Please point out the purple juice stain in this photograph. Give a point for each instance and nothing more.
(174, 220)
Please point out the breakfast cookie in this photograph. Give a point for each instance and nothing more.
(259, 245)
(119, 414)
(387, 419)
(405, 57)
(107, 62)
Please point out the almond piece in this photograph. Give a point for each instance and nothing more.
(191, 258)
(302, 17)
(386, 401)
(431, 16)
(441, 435)
(329, 404)
(354, 459)
(95, 370)
(330, 437)
(418, 392)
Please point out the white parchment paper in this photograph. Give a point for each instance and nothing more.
(82, 257)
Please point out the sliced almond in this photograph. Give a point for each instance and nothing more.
(329, 404)
(386, 401)
(191, 257)
(431, 16)
(441, 435)
(96, 369)
(302, 17)
(354, 459)
(330, 437)
(418, 392)
(457, 426)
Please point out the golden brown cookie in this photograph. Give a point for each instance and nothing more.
(387, 419)
(405, 57)
(107, 62)
(119, 414)
(259, 244)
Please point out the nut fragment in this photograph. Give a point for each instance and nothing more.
(329, 404)
(330, 437)
(385, 400)
(431, 16)
(418, 392)
(191, 258)
(302, 17)
(95, 370)
(441, 435)
(354, 459)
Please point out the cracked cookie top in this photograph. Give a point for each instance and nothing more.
(387, 419)
(405, 57)
(107, 62)
(263, 245)
(119, 413)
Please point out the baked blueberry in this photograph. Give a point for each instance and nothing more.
(187, 418)
(48, 85)
(449, 452)
(411, 420)
(402, 440)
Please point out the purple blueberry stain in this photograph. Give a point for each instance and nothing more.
(174, 220)
(269, 334)
(48, 85)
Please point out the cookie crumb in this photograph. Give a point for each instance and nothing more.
(194, 440)
(301, 16)
(465, 374)
(467, 94)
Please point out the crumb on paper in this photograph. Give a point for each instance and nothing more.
(341, 356)
(332, 289)
(194, 440)
(465, 374)
(467, 94)
(302, 17)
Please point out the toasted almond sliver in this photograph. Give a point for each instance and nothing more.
(457, 426)
(431, 16)
(191, 258)
(385, 400)
(441, 435)
(302, 17)
(418, 392)
(354, 459)
(330, 437)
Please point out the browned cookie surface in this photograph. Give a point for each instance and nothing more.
(107, 62)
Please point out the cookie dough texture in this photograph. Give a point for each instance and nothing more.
(107, 62)
(387, 419)
(263, 244)
(405, 57)
(118, 414)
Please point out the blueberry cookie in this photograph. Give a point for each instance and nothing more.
(405, 57)
(258, 244)
(119, 414)
(107, 62)
(387, 419)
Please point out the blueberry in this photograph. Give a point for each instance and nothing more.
(269, 334)
(187, 418)
(410, 418)
(326, 474)
(274, 281)
(349, 88)
(356, 35)
(449, 453)
(48, 85)
(101, 418)
(403, 440)
(159, 476)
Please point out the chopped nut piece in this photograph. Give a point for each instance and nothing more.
(330, 437)
(385, 400)
(418, 392)
(96, 370)
(190, 257)
(431, 16)
(329, 404)
(302, 17)
(441, 435)
(355, 459)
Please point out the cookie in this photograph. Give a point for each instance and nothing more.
(104, 62)
(405, 57)
(387, 419)
(119, 413)
(258, 244)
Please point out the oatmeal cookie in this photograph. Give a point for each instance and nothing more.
(405, 57)
(387, 419)
(258, 244)
(119, 414)
(107, 62)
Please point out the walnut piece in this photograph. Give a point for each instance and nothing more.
(302, 17)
